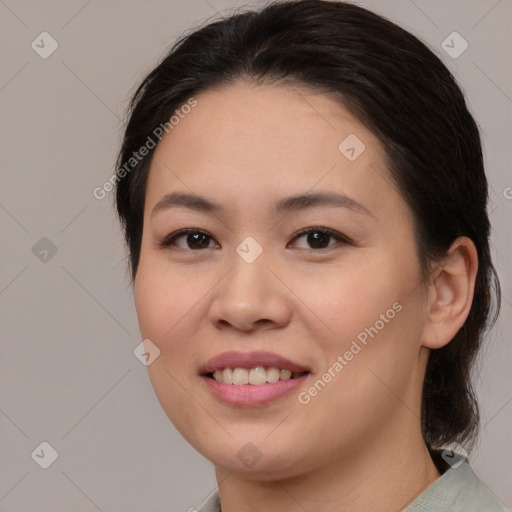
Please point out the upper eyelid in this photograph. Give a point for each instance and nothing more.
(170, 239)
(331, 232)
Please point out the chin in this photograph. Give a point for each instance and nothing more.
(260, 460)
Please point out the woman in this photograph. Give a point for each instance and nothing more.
(304, 201)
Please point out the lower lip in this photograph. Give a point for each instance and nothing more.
(248, 395)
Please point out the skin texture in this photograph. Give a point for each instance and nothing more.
(357, 445)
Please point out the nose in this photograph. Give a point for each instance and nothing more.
(250, 297)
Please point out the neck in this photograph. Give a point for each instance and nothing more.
(388, 475)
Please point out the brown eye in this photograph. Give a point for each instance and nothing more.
(194, 239)
(320, 238)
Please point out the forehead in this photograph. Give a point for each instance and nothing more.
(256, 140)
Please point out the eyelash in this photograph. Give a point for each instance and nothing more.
(168, 242)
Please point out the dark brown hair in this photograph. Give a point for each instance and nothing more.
(403, 92)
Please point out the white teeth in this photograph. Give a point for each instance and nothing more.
(258, 376)
(272, 375)
(227, 375)
(240, 376)
(255, 376)
(285, 375)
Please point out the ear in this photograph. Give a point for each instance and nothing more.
(450, 293)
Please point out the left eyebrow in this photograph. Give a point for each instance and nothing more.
(312, 200)
(287, 204)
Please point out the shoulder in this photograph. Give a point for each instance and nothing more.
(457, 490)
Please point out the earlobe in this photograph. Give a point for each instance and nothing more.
(451, 293)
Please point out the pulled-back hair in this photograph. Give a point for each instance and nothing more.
(404, 94)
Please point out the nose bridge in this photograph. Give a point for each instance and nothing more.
(249, 292)
(248, 276)
(250, 250)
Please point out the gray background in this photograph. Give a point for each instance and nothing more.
(68, 375)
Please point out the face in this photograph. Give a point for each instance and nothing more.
(248, 293)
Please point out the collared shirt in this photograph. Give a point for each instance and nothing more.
(457, 490)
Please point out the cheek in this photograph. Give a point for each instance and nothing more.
(353, 297)
(151, 303)
(374, 323)
(164, 306)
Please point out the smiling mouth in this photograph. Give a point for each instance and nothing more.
(253, 376)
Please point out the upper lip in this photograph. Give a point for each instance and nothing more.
(250, 360)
